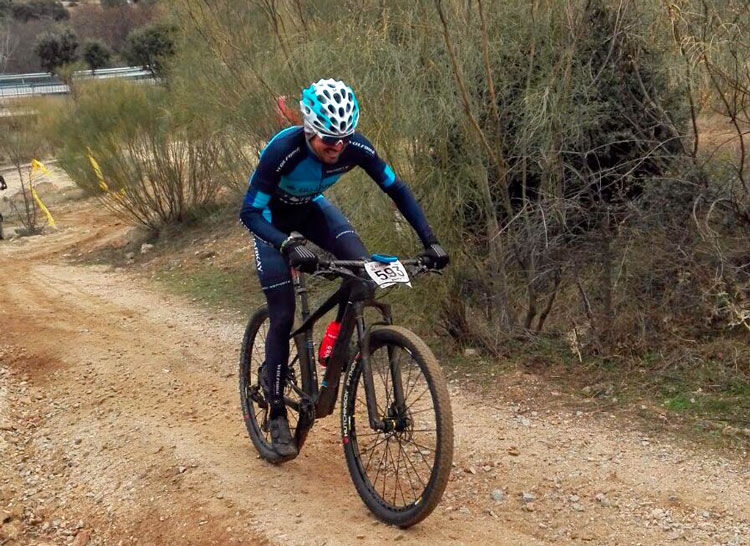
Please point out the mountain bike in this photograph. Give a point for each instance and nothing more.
(396, 420)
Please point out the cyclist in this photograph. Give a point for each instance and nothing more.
(285, 194)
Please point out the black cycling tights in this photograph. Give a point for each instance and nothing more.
(325, 226)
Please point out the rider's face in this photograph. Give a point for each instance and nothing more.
(327, 153)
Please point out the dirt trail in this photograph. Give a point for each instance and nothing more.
(120, 424)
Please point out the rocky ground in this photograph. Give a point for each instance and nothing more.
(120, 424)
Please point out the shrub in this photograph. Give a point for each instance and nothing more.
(155, 171)
(56, 48)
(96, 54)
(39, 9)
(151, 46)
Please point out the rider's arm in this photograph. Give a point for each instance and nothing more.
(263, 184)
(256, 200)
(396, 189)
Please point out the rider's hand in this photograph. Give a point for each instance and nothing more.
(435, 256)
(299, 256)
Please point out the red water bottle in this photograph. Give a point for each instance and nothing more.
(329, 338)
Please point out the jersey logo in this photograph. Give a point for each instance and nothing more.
(338, 169)
(362, 147)
(287, 158)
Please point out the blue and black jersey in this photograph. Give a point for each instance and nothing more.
(290, 176)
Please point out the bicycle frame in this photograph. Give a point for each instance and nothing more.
(358, 294)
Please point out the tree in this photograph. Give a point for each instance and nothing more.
(5, 8)
(96, 54)
(55, 49)
(150, 47)
(8, 44)
(38, 9)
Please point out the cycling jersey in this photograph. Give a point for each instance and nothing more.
(289, 175)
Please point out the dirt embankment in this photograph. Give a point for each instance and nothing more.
(120, 424)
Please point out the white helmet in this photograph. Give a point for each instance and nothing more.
(329, 109)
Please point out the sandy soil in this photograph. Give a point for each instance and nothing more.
(120, 424)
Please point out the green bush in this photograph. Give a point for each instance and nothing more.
(151, 46)
(96, 54)
(37, 9)
(154, 170)
(56, 48)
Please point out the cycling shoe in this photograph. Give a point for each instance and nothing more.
(281, 437)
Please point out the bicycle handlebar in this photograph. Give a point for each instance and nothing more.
(359, 264)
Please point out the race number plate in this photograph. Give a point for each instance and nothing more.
(387, 274)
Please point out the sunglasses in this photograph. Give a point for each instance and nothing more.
(334, 141)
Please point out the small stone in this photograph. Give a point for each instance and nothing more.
(601, 499)
(529, 507)
(574, 498)
(11, 531)
(470, 470)
(181, 469)
(82, 538)
(470, 352)
(146, 247)
(527, 497)
(400, 537)
(578, 507)
(497, 495)
(220, 495)
(513, 451)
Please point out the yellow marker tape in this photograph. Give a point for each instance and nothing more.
(38, 166)
(100, 176)
(97, 171)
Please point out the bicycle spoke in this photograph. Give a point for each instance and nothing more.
(427, 389)
(396, 485)
(387, 452)
(380, 465)
(417, 412)
(372, 452)
(419, 450)
(414, 384)
(412, 466)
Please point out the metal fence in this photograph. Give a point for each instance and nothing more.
(44, 83)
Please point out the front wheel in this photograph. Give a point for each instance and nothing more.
(400, 472)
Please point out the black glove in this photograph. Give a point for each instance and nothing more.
(435, 256)
(299, 256)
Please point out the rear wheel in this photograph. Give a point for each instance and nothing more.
(255, 408)
(402, 471)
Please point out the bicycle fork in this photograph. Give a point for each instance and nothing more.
(394, 417)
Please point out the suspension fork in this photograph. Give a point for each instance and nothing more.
(394, 364)
(363, 339)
